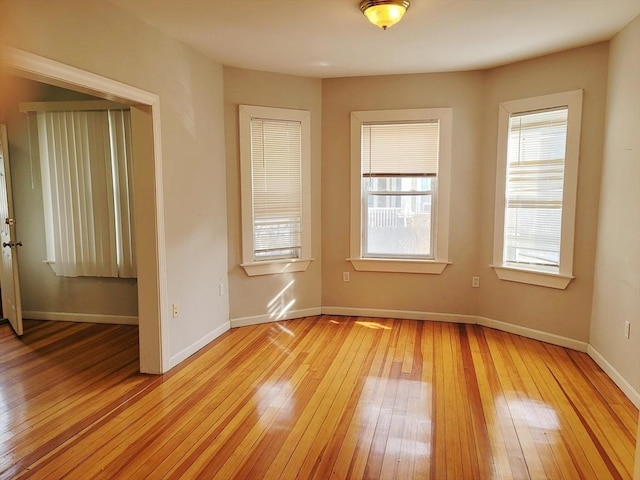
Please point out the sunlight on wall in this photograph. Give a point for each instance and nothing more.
(280, 305)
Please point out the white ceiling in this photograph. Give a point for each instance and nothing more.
(331, 38)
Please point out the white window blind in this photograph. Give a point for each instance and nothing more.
(86, 167)
(534, 187)
(276, 170)
(407, 149)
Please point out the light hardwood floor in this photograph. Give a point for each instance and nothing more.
(322, 397)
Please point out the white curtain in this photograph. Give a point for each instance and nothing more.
(86, 169)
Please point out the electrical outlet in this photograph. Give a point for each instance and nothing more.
(175, 310)
(345, 277)
(221, 289)
(627, 329)
(475, 282)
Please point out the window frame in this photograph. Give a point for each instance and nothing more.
(530, 274)
(269, 267)
(441, 199)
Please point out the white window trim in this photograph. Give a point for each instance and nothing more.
(269, 267)
(441, 211)
(508, 271)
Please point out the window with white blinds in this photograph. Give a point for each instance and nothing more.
(399, 169)
(400, 182)
(87, 183)
(534, 189)
(275, 186)
(536, 186)
(276, 173)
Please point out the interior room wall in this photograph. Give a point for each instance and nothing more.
(562, 312)
(616, 295)
(99, 37)
(450, 292)
(44, 293)
(252, 297)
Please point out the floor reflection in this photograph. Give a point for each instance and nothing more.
(533, 413)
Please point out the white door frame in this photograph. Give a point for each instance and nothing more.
(152, 300)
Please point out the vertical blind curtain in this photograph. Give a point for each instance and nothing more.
(122, 164)
(276, 168)
(86, 174)
(534, 193)
(400, 149)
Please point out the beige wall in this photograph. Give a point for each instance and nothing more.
(561, 312)
(450, 292)
(252, 296)
(616, 295)
(41, 289)
(98, 37)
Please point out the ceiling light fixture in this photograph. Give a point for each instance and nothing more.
(384, 13)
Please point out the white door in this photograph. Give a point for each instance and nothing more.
(9, 280)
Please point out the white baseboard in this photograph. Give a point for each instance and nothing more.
(404, 314)
(194, 347)
(80, 317)
(275, 317)
(534, 334)
(614, 375)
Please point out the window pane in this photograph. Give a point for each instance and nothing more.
(398, 225)
(534, 187)
(399, 168)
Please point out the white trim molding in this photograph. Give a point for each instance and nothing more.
(525, 273)
(196, 346)
(246, 115)
(276, 266)
(542, 279)
(396, 265)
(440, 247)
(275, 317)
(614, 375)
(81, 317)
(534, 334)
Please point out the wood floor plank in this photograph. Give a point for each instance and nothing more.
(319, 398)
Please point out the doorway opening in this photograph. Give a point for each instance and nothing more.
(145, 126)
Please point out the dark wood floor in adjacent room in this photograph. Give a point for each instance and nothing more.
(322, 397)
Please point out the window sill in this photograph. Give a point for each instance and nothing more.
(432, 267)
(276, 266)
(533, 277)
